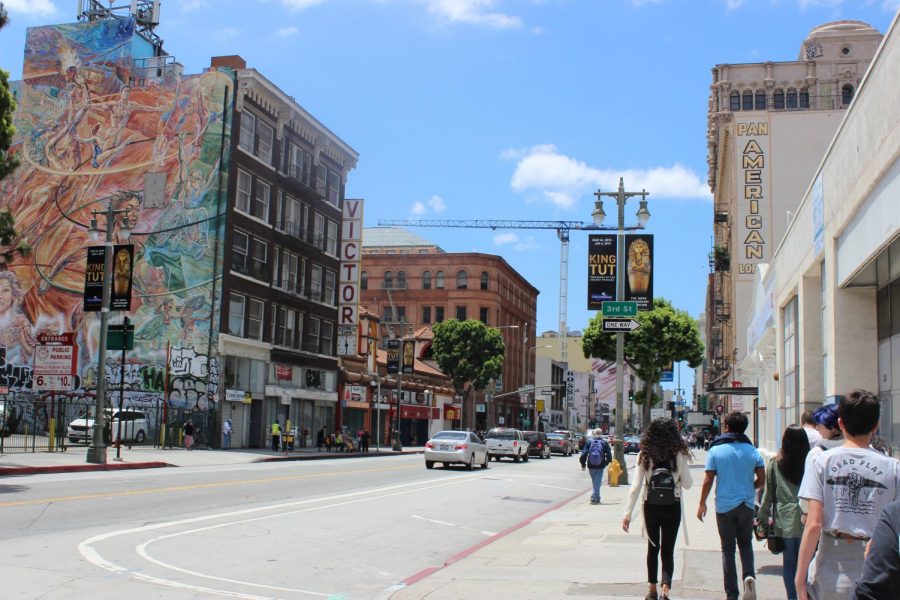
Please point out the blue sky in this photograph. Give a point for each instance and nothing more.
(505, 109)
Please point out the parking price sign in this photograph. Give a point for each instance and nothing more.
(54, 363)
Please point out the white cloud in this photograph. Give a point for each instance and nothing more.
(561, 180)
(891, 5)
(42, 8)
(192, 5)
(301, 4)
(286, 32)
(436, 204)
(502, 239)
(418, 208)
(473, 12)
(225, 33)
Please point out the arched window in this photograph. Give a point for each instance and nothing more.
(747, 100)
(462, 280)
(439, 280)
(804, 98)
(778, 100)
(388, 280)
(485, 278)
(426, 280)
(735, 101)
(364, 280)
(760, 100)
(401, 279)
(846, 94)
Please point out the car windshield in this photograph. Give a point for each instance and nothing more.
(501, 434)
(450, 435)
(555, 436)
(532, 436)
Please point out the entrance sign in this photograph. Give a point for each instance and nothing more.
(55, 363)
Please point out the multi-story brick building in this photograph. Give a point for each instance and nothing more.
(412, 283)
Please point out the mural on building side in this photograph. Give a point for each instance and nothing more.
(90, 127)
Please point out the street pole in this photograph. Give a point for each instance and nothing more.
(96, 452)
(121, 389)
(396, 446)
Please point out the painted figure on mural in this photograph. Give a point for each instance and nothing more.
(16, 332)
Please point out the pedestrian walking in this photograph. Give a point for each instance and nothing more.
(662, 473)
(188, 434)
(830, 436)
(737, 469)
(881, 572)
(339, 441)
(779, 502)
(276, 435)
(320, 438)
(595, 456)
(364, 440)
(847, 488)
(809, 427)
(226, 434)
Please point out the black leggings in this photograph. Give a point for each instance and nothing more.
(665, 520)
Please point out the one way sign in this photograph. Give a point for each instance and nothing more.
(617, 325)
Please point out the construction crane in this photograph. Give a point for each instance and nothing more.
(562, 229)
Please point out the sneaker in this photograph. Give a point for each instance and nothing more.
(749, 588)
(595, 502)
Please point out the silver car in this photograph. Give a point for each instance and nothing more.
(456, 447)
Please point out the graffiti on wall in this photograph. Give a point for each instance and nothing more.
(88, 133)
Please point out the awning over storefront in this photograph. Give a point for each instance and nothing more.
(452, 412)
(412, 412)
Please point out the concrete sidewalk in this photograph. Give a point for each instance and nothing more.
(148, 457)
(578, 550)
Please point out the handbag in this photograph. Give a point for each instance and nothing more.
(774, 543)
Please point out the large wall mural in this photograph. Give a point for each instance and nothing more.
(90, 127)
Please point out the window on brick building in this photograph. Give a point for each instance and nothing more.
(460, 313)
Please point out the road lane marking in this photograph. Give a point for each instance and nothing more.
(92, 555)
(195, 486)
(557, 487)
(421, 518)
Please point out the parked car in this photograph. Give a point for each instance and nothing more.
(632, 444)
(456, 447)
(537, 444)
(507, 442)
(560, 444)
(134, 426)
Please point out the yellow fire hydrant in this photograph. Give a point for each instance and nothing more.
(615, 471)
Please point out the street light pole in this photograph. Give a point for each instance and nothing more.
(621, 197)
(96, 452)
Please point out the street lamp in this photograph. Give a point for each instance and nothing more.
(643, 216)
(96, 452)
(376, 386)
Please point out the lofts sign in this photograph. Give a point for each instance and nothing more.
(754, 197)
(348, 282)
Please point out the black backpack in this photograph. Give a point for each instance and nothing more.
(661, 487)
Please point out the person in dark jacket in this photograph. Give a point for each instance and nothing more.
(881, 572)
(320, 439)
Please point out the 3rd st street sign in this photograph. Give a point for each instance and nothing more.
(617, 325)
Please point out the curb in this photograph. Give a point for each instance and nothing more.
(8, 471)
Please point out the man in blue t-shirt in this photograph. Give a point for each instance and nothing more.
(738, 470)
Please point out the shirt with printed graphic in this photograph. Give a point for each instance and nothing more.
(853, 485)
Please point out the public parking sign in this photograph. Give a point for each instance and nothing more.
(54, 363)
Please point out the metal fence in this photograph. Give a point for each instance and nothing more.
(54, 423)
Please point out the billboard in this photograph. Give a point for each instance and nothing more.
(639, 270)
(89, 131)
(601, 270)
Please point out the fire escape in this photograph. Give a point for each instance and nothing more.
(718, 356)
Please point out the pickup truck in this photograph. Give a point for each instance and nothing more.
(507, 442)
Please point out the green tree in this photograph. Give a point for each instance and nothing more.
(667, 335)
(470, 353)
(10, 243)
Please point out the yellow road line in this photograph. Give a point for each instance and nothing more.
(198, 486)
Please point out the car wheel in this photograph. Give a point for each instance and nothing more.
(140, 437)
(487, 459)
(516, 458)
(525, 457)
(429, 464)
(471, 464)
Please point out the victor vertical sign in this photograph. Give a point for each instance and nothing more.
(601, 270)
(348, 281)
(639, 270)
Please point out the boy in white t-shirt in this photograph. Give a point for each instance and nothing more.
(847, 488)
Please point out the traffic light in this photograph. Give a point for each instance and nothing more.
(631, 395)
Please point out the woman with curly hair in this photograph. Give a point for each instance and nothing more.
(662, 472)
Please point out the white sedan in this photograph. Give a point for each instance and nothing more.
(456, 447)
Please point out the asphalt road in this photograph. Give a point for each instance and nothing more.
(335, 529)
